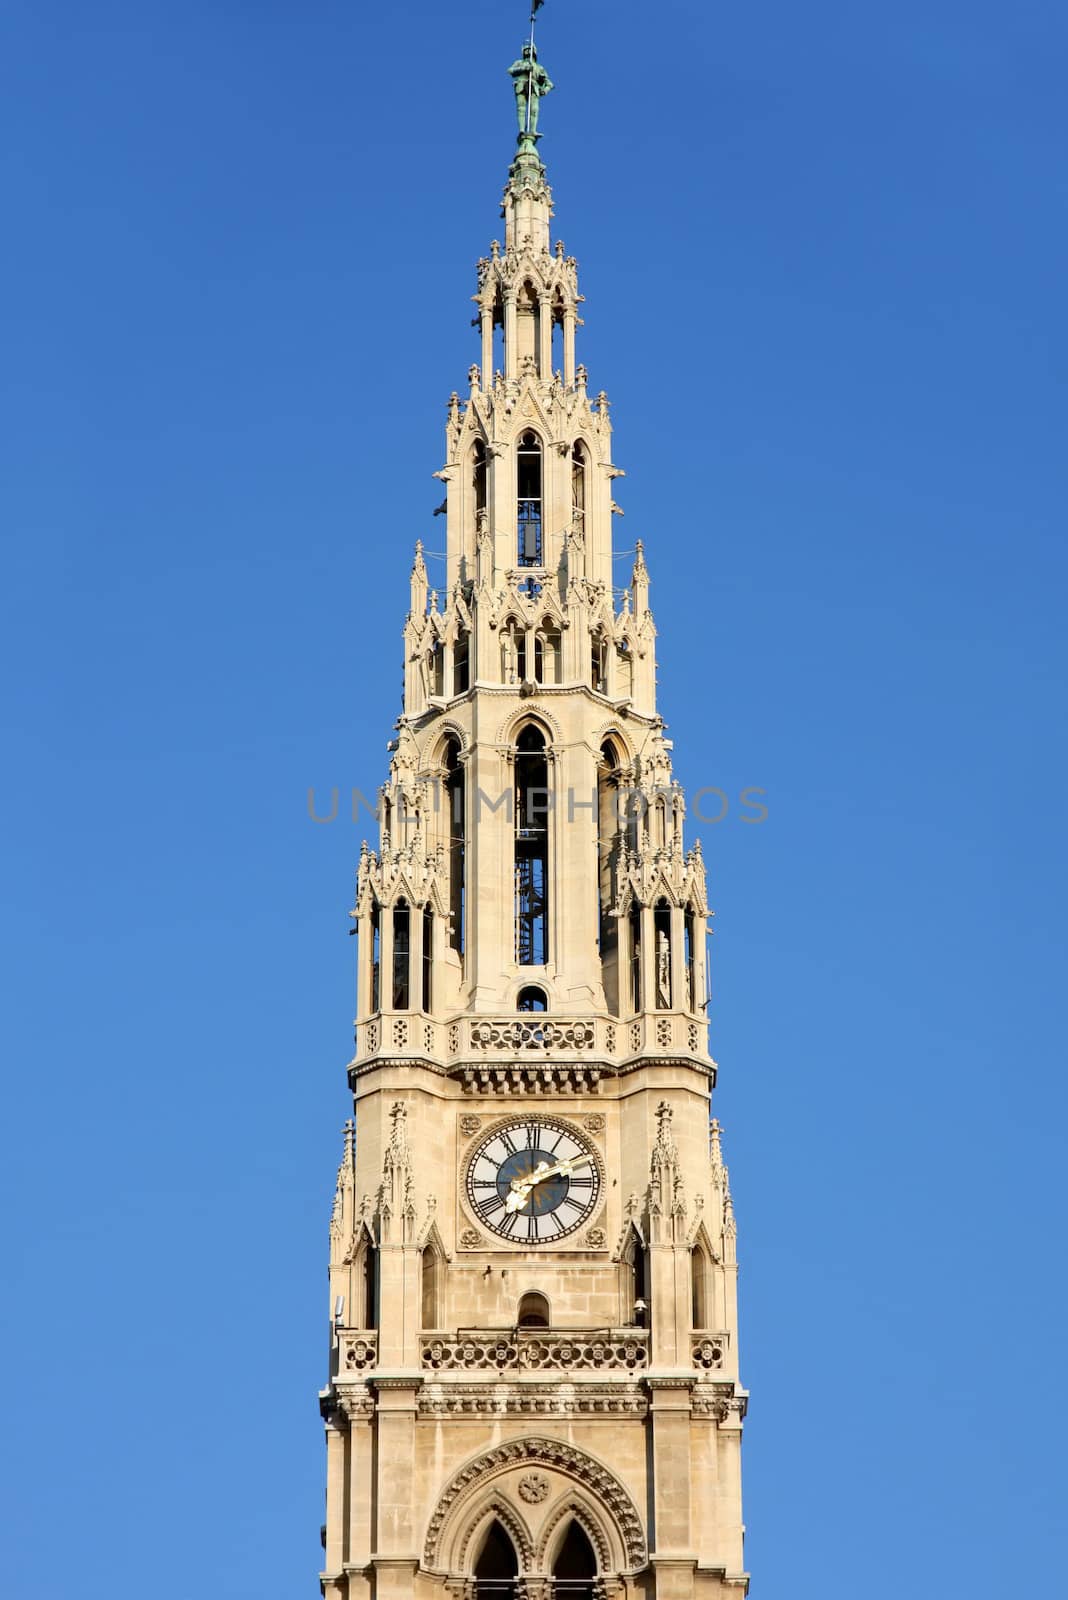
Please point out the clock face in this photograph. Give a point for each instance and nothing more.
(533, 1181)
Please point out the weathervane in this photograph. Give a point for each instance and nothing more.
(531, 82)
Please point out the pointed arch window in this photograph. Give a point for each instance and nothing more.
(634, 1283)
(662, 949)
(478, 475)
(531, 999)
(532, 804)
(432, 1267)
(376, 960)
(575, 1567)
(461, 662)
(578, 488)
(689, 934)
(497, 1567)
(608, 776)
(456, 814)
(529, 499)
(700, 1287)
(547, 656)
(635, 930)
(402, 950)
(427, 985)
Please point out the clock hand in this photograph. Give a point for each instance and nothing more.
(521, 1187)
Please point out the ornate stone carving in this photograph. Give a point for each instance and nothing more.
(533, 1487)
(530, 1400)
(541, 1351)
(595, 1122)
(470, 1239)
(595, 1238)
(553, 1453)
(357, 1352)
(708, 1352)
(469, 1126)
(518, 1033)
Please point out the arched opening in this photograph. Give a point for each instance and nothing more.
(634, 924)
(376, 959)
(575, 1567)
(402, 937)
(533, 1311)
(532, 805)
(367, 1284)
(689, 955)
(478, 475)
(431, 1316)
(635, 1306)
(608, 859)
(578, 489)
(528, 329)
(498, 343)
(427, 986)
(598, 669)
(529, 497)
(557, 359)
(699, 1282)
(456, 824)
(436, 668)
(625, 670)
(497, 1566)
(461, 662)
(547, 656)
(513, 652)
(531, 999)
(662, 947)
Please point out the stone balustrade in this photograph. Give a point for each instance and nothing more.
(708, 1351)
(357, 1352)
(538, 1349)
(480, 1045)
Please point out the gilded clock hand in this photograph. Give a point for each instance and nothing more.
(521, 1187)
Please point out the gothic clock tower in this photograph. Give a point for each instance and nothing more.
(534, 1389)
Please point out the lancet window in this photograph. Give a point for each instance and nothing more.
(547, 656)
(634, 923)
(432, 1273)
(513, 652)
(456, 822)
(575, 1567)
(598, 679)
(497, 1567)
(402, 950)
(578, 489)
(529, 500)
(427, 963)
(662, 938)
(461, 662)
(376, 960)
(689, 935)
(700, 1284)
(607, 846)
(478, 475)
(531, 848)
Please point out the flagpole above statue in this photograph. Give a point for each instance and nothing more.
(530, 81)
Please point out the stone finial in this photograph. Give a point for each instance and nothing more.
(418, 581)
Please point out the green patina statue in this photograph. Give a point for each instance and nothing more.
(531, 82)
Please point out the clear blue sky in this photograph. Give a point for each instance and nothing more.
(823, 248)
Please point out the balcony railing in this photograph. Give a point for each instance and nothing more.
(538, 1349)
(530, 1039)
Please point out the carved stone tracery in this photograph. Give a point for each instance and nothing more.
(567, 1459)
